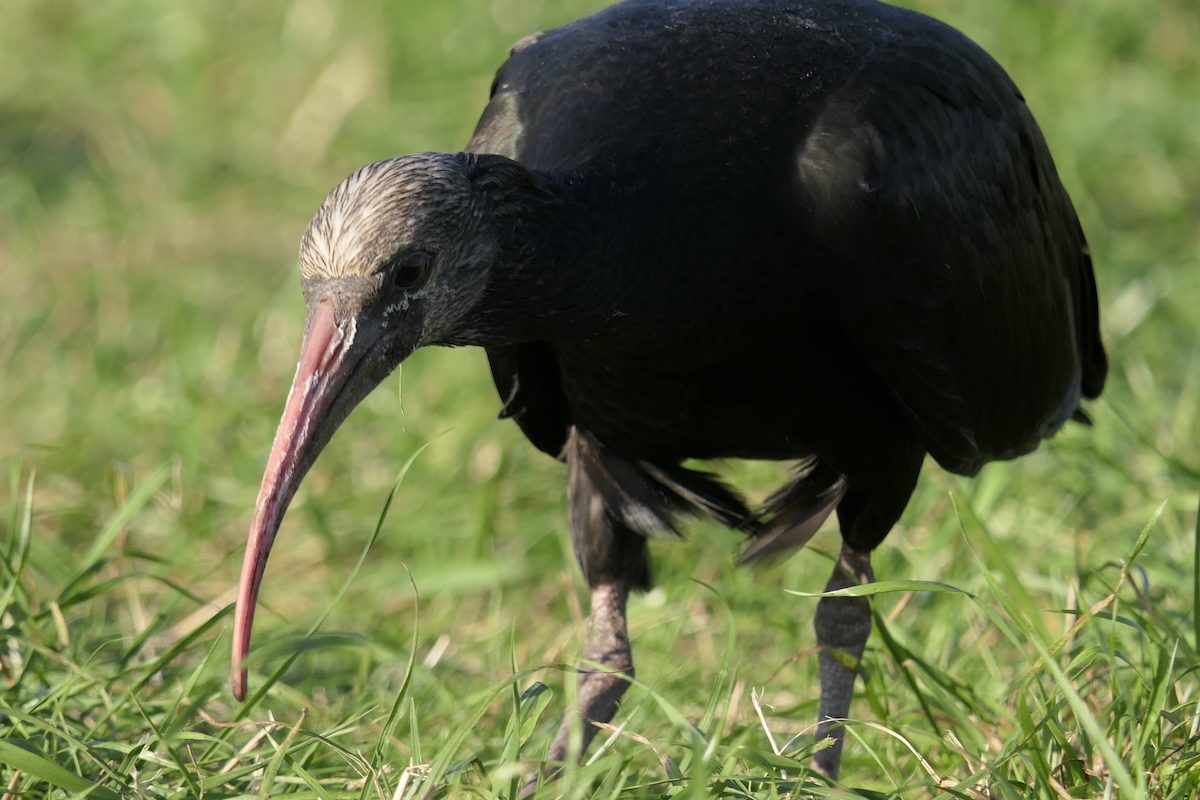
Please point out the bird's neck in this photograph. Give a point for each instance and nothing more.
(557, 279)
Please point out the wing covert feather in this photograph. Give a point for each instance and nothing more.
(960, 270)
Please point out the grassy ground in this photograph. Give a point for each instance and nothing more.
(157, 163)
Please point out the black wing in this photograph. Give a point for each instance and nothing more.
(527, 378)
(960, 274)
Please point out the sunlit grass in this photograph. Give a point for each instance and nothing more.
(156, 167)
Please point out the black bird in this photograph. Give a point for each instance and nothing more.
(823, 231)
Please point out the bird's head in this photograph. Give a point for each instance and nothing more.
(397, 257)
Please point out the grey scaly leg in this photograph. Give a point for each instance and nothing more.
(842, 625)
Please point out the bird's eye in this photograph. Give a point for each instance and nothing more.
(410, 268)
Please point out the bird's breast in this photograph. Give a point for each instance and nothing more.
(780, 394)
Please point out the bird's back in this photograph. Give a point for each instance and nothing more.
(795, 175)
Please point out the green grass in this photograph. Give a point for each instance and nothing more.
(157, 164)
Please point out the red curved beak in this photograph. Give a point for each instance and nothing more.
(305, 427)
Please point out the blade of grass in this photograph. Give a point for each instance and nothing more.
(54, 731)
(1083, 715)
(1196, 582)
(311, 781)
(1126, 784)
(900, 657)
(173, 717)
(272, 768)
(14, 491)
(1149, 443)
(510, 750)
(723, 679)
(442, 763)
(393, 718)
(414, 732)
(884, 587)
(140, 496)
(974, 529)
(1155, 706)
(153, 668)
(180, 764)
(19, 549)
(51, 772)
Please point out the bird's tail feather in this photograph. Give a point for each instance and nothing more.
(616, 503)
(647, 497)
(791, 516)
(614, 497)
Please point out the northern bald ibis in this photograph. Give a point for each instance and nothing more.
(820, 231)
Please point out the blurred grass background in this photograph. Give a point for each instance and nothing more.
(157, 165)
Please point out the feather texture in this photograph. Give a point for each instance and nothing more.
(614, 498)
(790, 517)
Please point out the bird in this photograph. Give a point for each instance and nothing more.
(822, 232)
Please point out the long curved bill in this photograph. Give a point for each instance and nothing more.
(321, 375)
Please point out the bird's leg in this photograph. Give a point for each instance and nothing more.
(843, 625)
(614, 560)
(604, 676)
